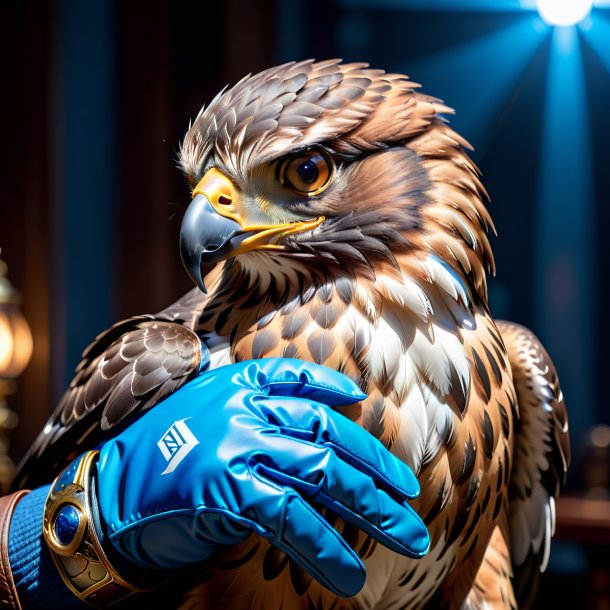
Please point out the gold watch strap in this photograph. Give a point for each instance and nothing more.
(70, 533)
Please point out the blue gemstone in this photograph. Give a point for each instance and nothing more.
(66, 523)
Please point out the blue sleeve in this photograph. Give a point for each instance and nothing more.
(38, 583)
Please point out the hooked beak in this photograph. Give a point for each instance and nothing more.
(214, 228)
(205, 237)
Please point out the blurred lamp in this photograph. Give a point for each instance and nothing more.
(15, 335)
(15, 353)
(564, 12)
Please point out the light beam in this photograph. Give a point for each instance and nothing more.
(565, 271)
(598, 36)
(477, 78)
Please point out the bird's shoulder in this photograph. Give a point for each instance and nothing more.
(128, 368)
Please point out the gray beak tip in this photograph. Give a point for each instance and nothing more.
(204, 236)
(191, 259)
(202, 287)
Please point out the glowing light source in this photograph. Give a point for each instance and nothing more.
(564, 12)
(15, 352)
(15, 335)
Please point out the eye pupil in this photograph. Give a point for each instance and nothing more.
(308, 172)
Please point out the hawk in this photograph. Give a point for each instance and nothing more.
(337, 218)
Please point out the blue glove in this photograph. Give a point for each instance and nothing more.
(246, 448)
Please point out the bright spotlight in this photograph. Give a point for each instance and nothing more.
(564, 12)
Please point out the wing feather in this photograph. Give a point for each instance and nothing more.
(126, 370)
(541, 458)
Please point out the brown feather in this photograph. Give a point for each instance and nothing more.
(541, 458)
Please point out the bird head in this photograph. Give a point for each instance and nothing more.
(333, 168)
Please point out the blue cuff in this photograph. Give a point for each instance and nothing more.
(38, 582)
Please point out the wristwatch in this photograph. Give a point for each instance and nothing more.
(73, 534)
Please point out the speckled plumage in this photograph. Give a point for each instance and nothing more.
(390, 289)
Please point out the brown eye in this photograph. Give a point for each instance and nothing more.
(308, 174)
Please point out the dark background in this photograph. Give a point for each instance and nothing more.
(95, 97)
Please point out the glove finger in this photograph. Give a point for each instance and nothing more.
(291, 377)
(318, 473)
(294, 527)
(352, 443)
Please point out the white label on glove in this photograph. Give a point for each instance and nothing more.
(176, 443)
